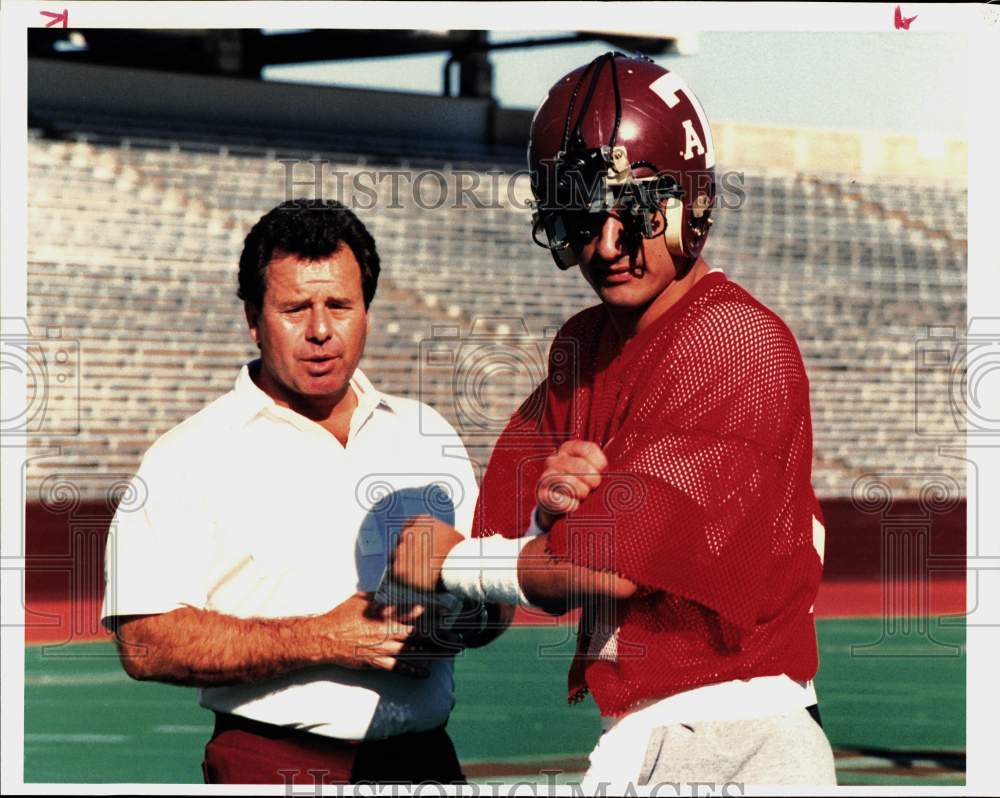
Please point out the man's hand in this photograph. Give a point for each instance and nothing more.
(421, 551)
(201, 648)
(571, 474)
(360, 633)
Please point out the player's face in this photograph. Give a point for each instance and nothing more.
(627, 272)
(311, 327)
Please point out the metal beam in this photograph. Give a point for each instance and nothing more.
(245, 52)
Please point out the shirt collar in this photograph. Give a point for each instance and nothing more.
(368, 394)
(251, 400)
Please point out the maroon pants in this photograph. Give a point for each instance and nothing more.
(244, 751)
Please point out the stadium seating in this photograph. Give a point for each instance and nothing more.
(134, 240)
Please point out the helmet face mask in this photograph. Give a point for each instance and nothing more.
(617, 150)
(642, 211)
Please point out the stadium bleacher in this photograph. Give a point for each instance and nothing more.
(134, 240)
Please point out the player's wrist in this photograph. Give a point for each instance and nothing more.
(484, 570)
(542, 520)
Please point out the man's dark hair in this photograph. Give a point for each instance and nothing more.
(310, 229)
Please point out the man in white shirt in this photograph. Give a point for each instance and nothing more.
(251, 570)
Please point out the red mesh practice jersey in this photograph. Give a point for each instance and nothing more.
(706, 503)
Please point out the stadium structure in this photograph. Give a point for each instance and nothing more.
(143, 182)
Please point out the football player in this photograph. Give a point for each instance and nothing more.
(660, 477)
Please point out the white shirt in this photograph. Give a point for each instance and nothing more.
(252, 510)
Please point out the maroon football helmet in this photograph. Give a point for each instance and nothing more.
(621, 133)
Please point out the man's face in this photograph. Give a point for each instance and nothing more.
(312, 325)
(627, 272)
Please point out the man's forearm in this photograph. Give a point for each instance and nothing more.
(430, 555)
(200, 648)
(557, 586)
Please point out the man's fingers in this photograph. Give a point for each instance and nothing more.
(583, 470)
(400, 631)
(389, 634)
(390, 646)
(562, 492)
(413, 613)
(586, 450)
(402, 614)
(396, 665)
(558, 504)
(411, 668)
(383, 663)
(571, 474)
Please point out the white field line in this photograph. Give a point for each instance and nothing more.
(75, 679)
(76, 738)
(170, 728)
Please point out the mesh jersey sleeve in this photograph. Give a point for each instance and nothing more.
(542, 422)
(702, 465)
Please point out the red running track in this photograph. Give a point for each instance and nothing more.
(55, 621)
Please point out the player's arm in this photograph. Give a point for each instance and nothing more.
(557, 586)
(521, 570)
(571, 474)
(553, 585)
(200, 648)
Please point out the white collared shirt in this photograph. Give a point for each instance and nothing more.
(251, 509)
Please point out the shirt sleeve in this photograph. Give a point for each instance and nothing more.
(700, 473)
(156, 552)
(450, 450)
(465, 508)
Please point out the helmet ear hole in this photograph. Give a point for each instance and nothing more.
(702, 224)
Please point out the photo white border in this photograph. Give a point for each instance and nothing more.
(984, 237)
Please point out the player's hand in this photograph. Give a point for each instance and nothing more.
(361, 633)
(419, 555)
(571, 474)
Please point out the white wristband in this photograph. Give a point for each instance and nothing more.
(484, 570)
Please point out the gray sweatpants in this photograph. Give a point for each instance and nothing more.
(782, 749)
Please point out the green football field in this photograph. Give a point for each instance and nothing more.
(892, 699)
